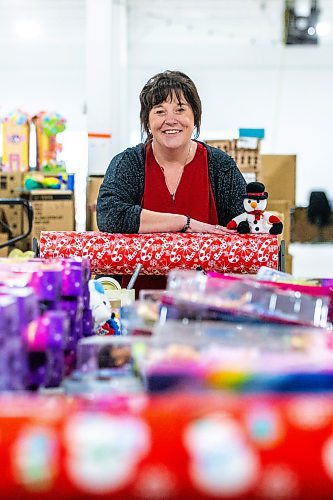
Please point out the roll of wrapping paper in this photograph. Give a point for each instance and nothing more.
(159, 253)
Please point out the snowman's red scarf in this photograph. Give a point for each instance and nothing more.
(257, 214)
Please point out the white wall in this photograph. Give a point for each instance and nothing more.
(44, 69)
(286, 90)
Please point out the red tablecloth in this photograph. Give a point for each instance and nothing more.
(159, 253)
(172, 447)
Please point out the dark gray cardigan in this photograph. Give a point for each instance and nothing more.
(120, 195)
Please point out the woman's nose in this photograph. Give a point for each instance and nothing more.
(171, 118)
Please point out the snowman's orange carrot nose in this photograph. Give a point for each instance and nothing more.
(253, 204)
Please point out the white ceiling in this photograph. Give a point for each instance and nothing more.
(224, 22)
(62, 22)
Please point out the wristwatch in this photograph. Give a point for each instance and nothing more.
(187, 225)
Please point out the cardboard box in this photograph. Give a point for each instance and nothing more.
(283, 210)
(11, 187)
(289, 263)
(91, 222)
(53, 211)
(93, 185)
(278, 173)
(11, 184)
(14, 215)
(227, 145)
(248, 159)
(4, 250)
(303, 231)
(3, 234)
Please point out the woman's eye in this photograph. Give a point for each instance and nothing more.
(159, 111)
(181, 109)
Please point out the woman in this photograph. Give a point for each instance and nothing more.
(171, 182)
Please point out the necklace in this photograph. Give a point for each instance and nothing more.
(173, 194)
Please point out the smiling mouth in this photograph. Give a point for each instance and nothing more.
(171, 131)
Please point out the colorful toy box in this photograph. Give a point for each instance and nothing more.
(48, 125)
(15, 136)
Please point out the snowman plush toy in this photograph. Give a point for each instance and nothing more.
(255, 219)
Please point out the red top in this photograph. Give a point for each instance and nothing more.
(194, 195)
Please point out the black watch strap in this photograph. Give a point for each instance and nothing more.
(187, 225)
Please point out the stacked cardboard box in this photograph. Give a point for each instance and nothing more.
(247, 159)
(53, 211)
(93, 185)
(4, 250)
(10, 187)
(3, 234)
(279, 177)
(305, 232)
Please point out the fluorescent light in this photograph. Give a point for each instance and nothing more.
(323, 28)
(28, 30)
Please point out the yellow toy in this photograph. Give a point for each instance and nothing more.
(15, 136)
(16, 253)
(37, 180)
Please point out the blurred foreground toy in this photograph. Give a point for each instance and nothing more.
(100, 306)
(255, 219)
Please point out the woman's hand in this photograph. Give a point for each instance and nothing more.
(202, 227)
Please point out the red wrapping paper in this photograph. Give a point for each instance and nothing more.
(175, 446)
(159, 253)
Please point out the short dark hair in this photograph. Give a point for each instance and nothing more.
(161, 87)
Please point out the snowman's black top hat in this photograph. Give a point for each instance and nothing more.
(256, 191)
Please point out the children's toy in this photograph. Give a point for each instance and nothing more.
(15, 133)
(41, 180)
(17, 253)
(48, 125)
(100, 306)
(255, 219)
(223, 297)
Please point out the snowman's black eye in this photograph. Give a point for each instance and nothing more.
(249, 201)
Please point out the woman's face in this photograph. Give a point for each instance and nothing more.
(172, 123)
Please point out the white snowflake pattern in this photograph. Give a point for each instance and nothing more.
(225, 268)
